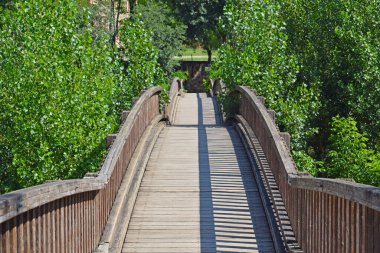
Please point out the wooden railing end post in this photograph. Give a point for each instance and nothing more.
(124, 115)
(110, 139)
(286, 137)
(272, 114)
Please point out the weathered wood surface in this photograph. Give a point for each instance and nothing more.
(198, 193)
(327, 215)
(174, 92)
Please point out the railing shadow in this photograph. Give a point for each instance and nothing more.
(207, 225)
(232, 218)
(243, 218)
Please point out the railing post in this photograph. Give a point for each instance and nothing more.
(272, 114)
(261, 99)
(124, 115)
(286, 137)
(110, 139)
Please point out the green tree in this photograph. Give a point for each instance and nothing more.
(168, 31)
(338, 45)
(141, 56)
(57, 91)
(62, 87)
(312, 60)
(349, 156)
(201, 18)
(256, 54)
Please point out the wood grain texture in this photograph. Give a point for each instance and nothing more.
(198, 193)
(339, 225)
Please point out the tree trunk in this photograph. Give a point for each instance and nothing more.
(112, 22)
(209, 53)
(128, 8)
(117, 21)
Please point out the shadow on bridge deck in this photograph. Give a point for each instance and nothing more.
(232, 218)
(198, 193)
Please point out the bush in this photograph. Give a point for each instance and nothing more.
(349, 156)
(180, 74)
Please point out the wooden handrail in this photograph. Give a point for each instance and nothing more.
(70, 215)
(216, 87)
(327, 215)
(174, 92)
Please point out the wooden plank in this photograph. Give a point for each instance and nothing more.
(7, 238)
(2, 243)
(233, 244)
(39, 225)
(352, 227)
(185, 250)
(376, 232)
(203, 198)
(363, 236)
(334, 224)
(340, 244)
(27, 232)
(369, 230)
(64, 221)
(13, 234)
(20, 233)
(56, 224)
(357, 227)
(347, 226)
(308, 230)
(51, 232)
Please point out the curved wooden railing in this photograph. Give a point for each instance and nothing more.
(70, 215)
(327, 215)
(216, 87)
(174, 92)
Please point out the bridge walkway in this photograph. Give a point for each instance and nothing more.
(198, 193)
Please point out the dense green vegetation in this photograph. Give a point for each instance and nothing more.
(168, 31)
(317, 63)
(62, 87)
(201, 18)
(69, 68)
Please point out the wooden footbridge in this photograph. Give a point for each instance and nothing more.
(182, 178)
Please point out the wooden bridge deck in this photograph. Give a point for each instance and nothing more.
(198, 193)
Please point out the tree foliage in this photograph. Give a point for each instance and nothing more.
(201, 18)
(256, 54)
(312, 60)
(143, 69)
(62, 87)
(57, 90)
(338, 44)
(349, 155)
(168, 31)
